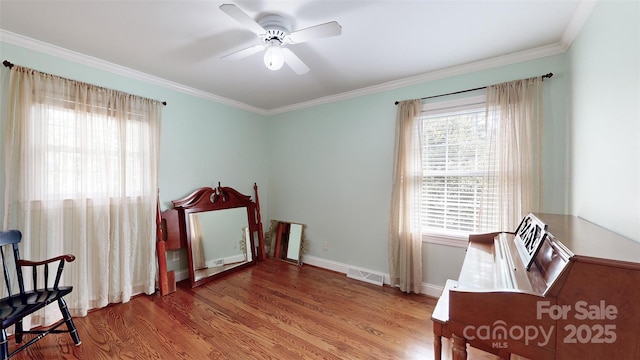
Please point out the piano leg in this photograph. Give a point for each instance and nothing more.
(459, 349)
(437, 347)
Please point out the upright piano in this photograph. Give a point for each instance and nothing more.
(558, 287)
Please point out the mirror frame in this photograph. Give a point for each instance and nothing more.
(272, 237)
(220, 198)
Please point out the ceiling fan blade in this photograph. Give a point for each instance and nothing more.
(294, 62)
(240, 16)
(319, 31)
(243, 53)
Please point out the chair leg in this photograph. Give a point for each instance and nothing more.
(18, 332)
(4, 345)
(67, 319)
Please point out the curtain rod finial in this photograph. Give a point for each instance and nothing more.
(7, 64)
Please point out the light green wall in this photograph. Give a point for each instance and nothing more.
(330, 167)
(202, 142)
(605, 118)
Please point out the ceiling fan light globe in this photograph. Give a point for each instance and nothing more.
(273, 57)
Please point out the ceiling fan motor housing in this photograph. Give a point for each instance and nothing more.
(277, 27)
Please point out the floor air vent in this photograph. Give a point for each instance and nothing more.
(366, 276)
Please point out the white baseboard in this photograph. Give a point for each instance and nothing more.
(325, 264)
(227, 260)
(427, 289)
(432, 290)
(181, 274)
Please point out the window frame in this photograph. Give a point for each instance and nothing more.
(434, 107)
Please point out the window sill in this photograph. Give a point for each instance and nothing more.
(447, 240)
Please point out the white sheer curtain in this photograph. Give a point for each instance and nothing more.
(82, 168)
(405, 238)
(514, 115)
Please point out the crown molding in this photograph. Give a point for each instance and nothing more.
(580, 16)
(498, 61)
(66, 54)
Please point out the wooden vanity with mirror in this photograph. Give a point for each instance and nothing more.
(218, 226)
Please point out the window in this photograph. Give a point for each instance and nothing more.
(82, 169)
(455, 160)
(79, 151)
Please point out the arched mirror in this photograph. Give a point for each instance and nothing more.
(287, 241)
(220, 226)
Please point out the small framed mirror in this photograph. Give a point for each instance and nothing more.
(287, 241)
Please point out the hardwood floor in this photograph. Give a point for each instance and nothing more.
(271, 311)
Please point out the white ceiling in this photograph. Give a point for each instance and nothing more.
(382, 42)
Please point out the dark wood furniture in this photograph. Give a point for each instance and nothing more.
(578, 300)
(178, 225)
(169, 238)
(16, 306)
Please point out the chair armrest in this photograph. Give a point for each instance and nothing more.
(45, 264)
(67, 258)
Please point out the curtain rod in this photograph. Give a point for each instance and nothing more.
(10, 65)
(548, 76)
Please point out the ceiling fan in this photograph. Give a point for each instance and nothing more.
(274, 32)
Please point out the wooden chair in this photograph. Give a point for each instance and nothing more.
(15, 307)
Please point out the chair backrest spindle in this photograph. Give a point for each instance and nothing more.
(11, 237)
(7, 279)
(34, 276)
(16, 258)
(59, 274)
(46, 276)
